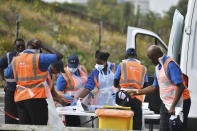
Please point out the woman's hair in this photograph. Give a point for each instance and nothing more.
(102, 55)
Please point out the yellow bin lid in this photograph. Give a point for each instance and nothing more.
(114, 113)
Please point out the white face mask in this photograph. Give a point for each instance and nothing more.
(99, 67)
(72, 70)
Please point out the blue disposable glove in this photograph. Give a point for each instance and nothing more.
(74, 103)
(68, 98)
(114, 95)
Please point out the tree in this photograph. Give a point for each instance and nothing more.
(127, 13)
(181, 6)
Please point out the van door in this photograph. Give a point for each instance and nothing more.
(140, 39)
(191, 54)
(174, 44)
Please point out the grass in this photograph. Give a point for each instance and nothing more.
(66, 33)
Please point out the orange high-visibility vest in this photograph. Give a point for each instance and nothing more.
(71, 85)
(186, 94)
(50, 79)
(166, 88)
(132, 76)
(29, 77)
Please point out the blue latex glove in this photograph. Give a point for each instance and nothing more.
(74, 103)
(114, 95)
(68, 98)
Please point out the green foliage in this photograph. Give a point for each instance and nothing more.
(127, 15)
(59, 26)
(181, 6)
(67, 33)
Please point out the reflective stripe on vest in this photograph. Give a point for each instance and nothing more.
(186, 93)
(30, 79)
(126, 80)
(83, 69)
(114, 68)
(10, 80)
(8, 58)
(30, 86)
(35, 77)
(167, 88)
(68, 78)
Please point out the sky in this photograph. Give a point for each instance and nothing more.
(159, 6)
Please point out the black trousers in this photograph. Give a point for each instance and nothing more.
(136, 106)
(10, 107)
(33, 111)
(73, 121)
(164, 119)
(186, 108)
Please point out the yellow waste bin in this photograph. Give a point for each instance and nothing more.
(115, 119)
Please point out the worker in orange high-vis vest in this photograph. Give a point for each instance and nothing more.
(131, 74)
(30, 70)
(71, 83)
(169, 81)
(186, 93)
(54, 69)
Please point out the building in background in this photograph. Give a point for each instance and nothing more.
(68, 1)
(141, 5)
(77, 1)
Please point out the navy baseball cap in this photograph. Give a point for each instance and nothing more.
(131, 52)
(73, 61)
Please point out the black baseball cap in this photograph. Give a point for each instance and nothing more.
(73, 61)
(131, 52)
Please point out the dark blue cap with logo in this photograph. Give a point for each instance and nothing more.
(73, 61)
(131, 52)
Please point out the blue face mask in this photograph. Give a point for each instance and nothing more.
(99, 67)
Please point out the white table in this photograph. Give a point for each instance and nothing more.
(150, 119)
(148, 115)
(73, 112)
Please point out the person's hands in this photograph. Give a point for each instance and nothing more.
(68, 98)
(74, 103)
(4, 84)
(114, 95)
(172, 110)
(131, 92)
(63, 103)
(37, 44)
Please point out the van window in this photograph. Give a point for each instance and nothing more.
(142, 43)
(194, 62)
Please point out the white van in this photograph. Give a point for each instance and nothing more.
(182, 47)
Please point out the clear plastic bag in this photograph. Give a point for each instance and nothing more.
(53, 117)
